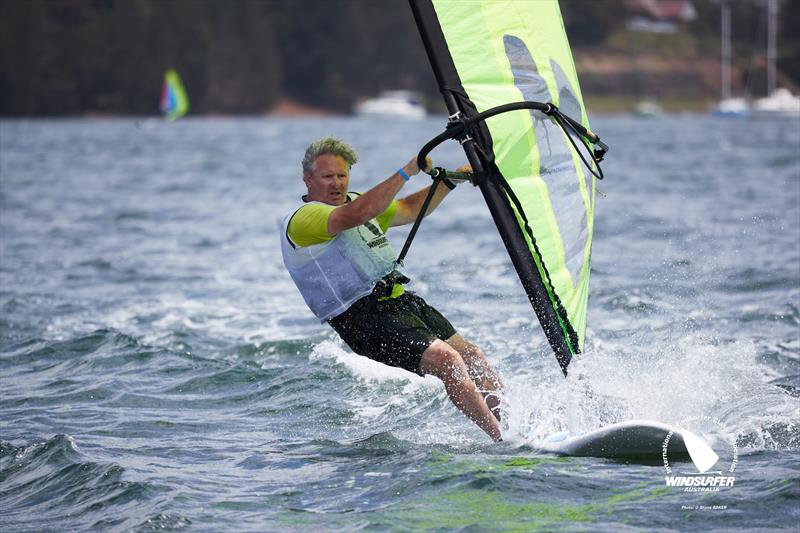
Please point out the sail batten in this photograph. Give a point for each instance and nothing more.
(486, 53)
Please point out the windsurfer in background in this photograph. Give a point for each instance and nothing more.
(335, 248)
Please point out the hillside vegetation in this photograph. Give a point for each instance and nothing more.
(71, 57)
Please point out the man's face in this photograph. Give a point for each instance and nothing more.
(328, 180)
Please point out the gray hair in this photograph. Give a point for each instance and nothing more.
(328, 145)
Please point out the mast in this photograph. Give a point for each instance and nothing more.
(726, 49)
(772, 27)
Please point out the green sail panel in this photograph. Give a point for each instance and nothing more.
(486, 53)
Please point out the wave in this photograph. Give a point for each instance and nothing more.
(52, 484)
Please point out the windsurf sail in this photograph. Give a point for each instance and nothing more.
(174, 102)
(528, 160)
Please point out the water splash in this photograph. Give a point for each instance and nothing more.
(693, 376)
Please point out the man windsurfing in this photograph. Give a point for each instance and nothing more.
(335, 249)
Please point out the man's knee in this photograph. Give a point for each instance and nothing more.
(477, 364)
(443, 361)
(467, 350)
(473, 352)
(473, 356)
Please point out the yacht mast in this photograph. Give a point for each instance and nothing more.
(726, 49)
(772, 26)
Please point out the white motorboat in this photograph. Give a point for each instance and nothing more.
(406, 104)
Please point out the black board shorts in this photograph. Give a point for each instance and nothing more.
(393, 331)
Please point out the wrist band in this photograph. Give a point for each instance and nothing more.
(402, 172)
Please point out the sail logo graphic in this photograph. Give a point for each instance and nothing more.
(556, 162)
(702, 455)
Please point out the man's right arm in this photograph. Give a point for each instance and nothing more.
(370, 204)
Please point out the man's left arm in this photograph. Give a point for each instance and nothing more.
(409, 207)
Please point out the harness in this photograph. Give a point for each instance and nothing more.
(384, 287)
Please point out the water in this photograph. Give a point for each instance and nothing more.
(159, 371)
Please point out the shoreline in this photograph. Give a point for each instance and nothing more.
(596, 105)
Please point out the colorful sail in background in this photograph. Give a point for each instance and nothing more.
(174, 102)
(486, 53)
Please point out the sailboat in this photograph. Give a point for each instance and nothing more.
(779, 102)
(728, 106)
(174, 102)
